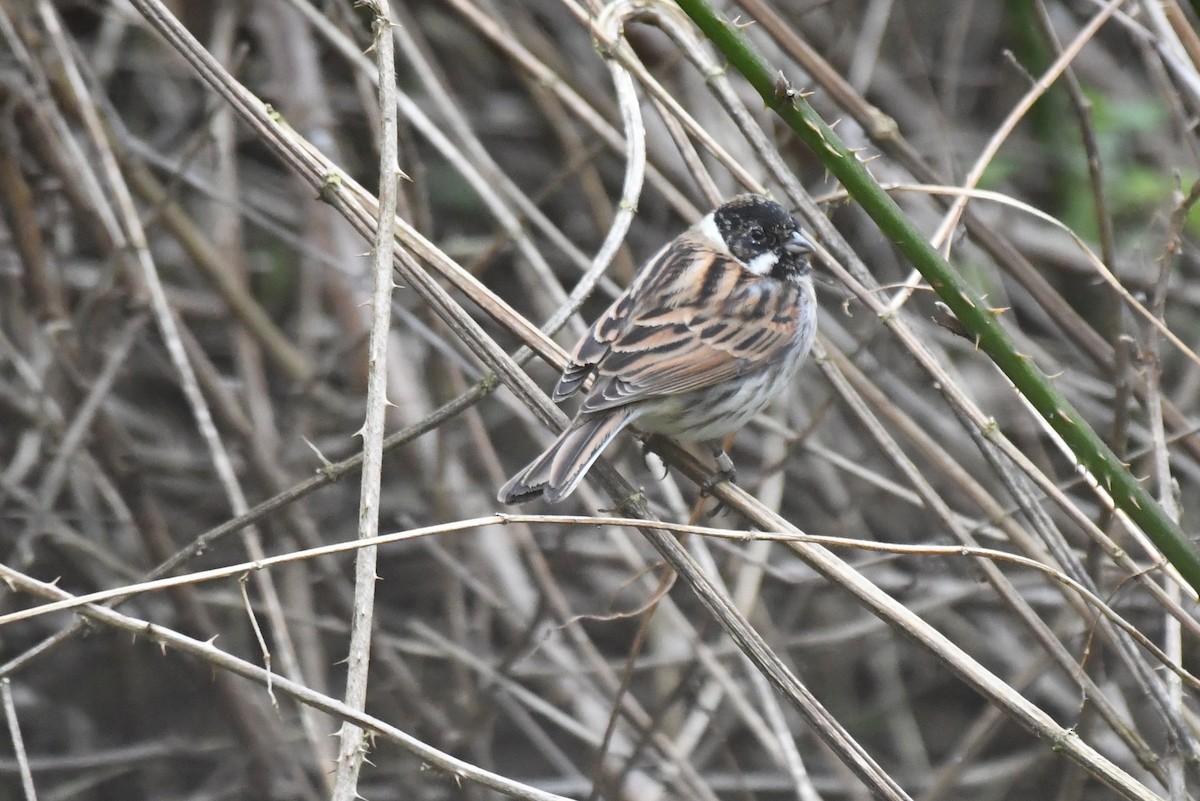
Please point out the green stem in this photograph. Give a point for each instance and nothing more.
(1089, 449)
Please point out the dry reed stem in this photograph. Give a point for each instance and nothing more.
(517, 642)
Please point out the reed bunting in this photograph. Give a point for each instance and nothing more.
(708, 332)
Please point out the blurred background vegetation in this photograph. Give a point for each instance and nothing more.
(551, 654)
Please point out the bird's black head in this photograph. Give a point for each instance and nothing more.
(762, 235)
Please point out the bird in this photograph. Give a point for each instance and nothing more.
(710, 329)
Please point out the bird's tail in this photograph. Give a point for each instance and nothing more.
(557, 472)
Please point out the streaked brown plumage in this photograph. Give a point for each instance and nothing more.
(710, 329)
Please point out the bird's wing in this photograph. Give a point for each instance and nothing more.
(596, 342)
(699, 319)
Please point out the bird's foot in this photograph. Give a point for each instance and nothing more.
(725, 472)
(648, 445)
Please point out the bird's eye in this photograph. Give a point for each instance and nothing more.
(758, 235)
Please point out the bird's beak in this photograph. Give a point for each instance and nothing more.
(798, 245)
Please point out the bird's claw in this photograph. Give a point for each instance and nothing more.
(647, 448)
(723, 474)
